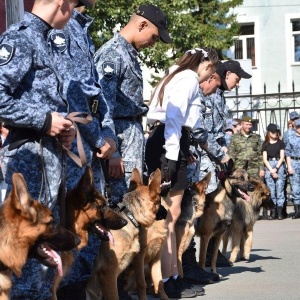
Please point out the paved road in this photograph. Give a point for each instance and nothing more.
(273, 271)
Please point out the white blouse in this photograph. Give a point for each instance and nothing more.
(181, 107)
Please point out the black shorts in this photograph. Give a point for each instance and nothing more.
(155, 157)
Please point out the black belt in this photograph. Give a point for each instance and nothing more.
(273, 158)
(138, 119)
(295, 157)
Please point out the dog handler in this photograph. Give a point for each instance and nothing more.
(215, 115)
(174, 111)
(33, 104)
(120, 78)
(73, 51)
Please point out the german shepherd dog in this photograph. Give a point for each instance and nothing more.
(27, 230)
(153, 237)
(218, 212)
(141, 204)
(245, 215)
(87, 210)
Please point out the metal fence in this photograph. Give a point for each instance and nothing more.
(264, 108)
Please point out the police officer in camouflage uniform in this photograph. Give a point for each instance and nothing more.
(34, 105)
(73, 51)
(121, 80)
(245, 147)
(292, 153)
(215, 115)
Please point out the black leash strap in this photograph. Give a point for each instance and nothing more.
(104, 166)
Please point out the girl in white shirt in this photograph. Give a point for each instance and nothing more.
(175, 110)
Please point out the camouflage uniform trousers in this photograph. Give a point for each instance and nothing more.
(276, 186)
(36, 280)
(131, 143)
(203, 166)
(295, 182)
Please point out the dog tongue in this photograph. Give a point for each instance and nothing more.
(111, 238)
(57, 259)
(244, 195)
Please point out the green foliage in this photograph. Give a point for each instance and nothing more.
(191, 23)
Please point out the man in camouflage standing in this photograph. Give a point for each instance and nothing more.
(245, 148)
(121, 81)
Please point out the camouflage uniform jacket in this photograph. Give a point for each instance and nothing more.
(243, 149)
(73, 54)
(215, 113)
(27, 94)
(120, 78)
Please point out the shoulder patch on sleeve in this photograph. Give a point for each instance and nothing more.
(59, 40)
(6, 53)
(108, 69)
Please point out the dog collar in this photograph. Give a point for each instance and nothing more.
(130, 216)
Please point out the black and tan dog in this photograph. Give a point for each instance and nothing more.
(27, 230)
(140, 205)
(152, 239)
(87, 210)
(245, 215)
(218, 212)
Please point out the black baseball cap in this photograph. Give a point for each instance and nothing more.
(272, 128)
(86, 3)
(221, 71)
(235, 67)
(158, 18)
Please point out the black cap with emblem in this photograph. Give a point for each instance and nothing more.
(86, 3)
(158, 18)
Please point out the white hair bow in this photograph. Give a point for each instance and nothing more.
(193, 51)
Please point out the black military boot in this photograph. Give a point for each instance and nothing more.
(280, 213)
(222, 261)
(273, 215)
(192, 272)
(297, 212)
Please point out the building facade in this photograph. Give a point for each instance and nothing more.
(270, 37)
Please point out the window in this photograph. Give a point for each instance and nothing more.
(245, 46)
(296, 40)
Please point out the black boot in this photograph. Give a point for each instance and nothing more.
(192, 272)
(222, 261)
(265, 214)
(273, 215)
(297, 212)
(279, 213)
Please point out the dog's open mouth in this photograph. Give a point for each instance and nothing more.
(244, 195)
(241, 193)
(103, 233)
(46, 255)
(49, 257)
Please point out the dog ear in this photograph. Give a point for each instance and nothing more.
(154, 185)
(19, 194)
(86, 182)
(206, 179)
(135, 180)
(230, 167)
(245, 167)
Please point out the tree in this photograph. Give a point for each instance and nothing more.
(191, 24)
